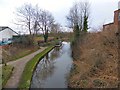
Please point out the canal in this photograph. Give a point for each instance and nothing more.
(53, 70)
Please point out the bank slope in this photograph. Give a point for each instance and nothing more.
(96, 61)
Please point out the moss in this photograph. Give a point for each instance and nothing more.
(29, 68)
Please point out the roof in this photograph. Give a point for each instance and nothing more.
(117, 10)
(108, 24)
(4, 27)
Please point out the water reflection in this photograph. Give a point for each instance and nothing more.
(45, 68)
(51, 71)
(56, 53)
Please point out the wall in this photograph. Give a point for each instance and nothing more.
(108, 26)
(113, 25)
(116, 15)
(7, 33)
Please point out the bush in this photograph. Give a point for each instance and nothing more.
(25, 40)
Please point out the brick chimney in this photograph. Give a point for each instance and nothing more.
(116, 17)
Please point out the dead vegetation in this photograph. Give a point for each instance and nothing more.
(14, 52)
(96, 61)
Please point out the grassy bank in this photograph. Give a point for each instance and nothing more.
(96, 61)
(23, 53)
(29, 68)
(6, 73)
(14, 53)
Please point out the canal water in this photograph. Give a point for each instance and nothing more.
(52, 71)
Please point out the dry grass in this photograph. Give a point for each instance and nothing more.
(15, 52)
(40, 38)
(96, 61)
(18, 50)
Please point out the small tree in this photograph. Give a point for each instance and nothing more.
(86, 15)
(45, 23)
(79, 16)
(56, 29)
(76, 31)
(85, 24)
(25, 16)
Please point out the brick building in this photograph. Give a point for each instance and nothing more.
(114, 25)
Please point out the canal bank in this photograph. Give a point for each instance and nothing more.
(53, 70)
(29, 68)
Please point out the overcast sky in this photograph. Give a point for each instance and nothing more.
(102, 11)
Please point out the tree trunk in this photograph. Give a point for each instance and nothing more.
(29, 27)
(45, 37)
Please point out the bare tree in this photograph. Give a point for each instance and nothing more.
(55, 28)
(25, 16)
(45, 23)
(35, 19)
(86, 15)
(73, 16)
(79, 15)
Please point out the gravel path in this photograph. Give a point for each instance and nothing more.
(19, 66)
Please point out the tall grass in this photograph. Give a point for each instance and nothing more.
(96, 57)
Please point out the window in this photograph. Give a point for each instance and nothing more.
(9, 39)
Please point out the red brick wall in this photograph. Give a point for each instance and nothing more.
(113, 25)
(108, 26)
(116, 14)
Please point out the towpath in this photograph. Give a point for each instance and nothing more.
(19, 66)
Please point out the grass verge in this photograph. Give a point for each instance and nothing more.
(23, 54)
(6, 73)
(29, 68)
(15, 53)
